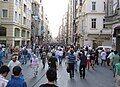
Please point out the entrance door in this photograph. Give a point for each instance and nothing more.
(118, 43)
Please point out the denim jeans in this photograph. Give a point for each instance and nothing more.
(60, 59)
(114, 70)
(24, 59)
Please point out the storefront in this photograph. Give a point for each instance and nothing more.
(116, 35)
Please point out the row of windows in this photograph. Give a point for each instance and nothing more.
(23, 33)
(16, 33)
(5, 15)
(93, 23)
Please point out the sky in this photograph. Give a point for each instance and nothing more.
(55, 9)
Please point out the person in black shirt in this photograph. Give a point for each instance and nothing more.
(52, 62)
(83, 63)
(51, 76)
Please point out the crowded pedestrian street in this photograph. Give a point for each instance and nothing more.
(100, 76)
(59, 43)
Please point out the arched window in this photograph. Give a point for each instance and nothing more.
(2, 31)
(17, 32)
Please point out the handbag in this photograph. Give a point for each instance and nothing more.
(68, 69)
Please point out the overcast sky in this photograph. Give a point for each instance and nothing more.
(55, 9)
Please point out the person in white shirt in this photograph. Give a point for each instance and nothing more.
(60, 56)
(103, 57)
(76, 55)
(110, 56)
(14, 62)
(4, 70)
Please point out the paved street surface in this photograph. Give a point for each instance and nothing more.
(100, 77)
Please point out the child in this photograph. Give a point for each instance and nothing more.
(35, 64)
(16, 80)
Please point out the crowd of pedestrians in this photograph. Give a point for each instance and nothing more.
(76, 60)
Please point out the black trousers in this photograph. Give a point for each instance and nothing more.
(82, 70)
(103, 62)
(71, 67)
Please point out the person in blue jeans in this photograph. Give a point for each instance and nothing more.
(25, 56)
(71, 63)
(60, 56)
(16, 79)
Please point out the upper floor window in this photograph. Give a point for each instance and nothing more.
(28, 34)
(80, 2)
(104, 6)
(25, 8)
(17, 32)
(5, 0)
(24, 20)
(93, 6)
(103, 23)
(93, 21)
(20, 17)
(23, 33)
(5, 12)
(2, 31)
(15, 15)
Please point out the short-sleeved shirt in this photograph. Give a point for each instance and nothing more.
(3, 81)
(48, 85)
(12, 64)
(52, 62)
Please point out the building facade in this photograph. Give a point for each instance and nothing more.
(15, 22)
(90, 21)
(70, 22)
(113, 21)
(35, 21)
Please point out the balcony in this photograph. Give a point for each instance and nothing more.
(97, 32)
(112, 19)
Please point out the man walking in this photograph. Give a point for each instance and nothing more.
(83, 61)
(116, 59)
(71, 62)
(51, 76)
(52, 62)
(117, 74)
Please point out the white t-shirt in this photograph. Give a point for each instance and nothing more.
(60, 53)
(111, 55)
(12, 64)
(3, 81)
(103, 55)
(29, 50)
(88, 56)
